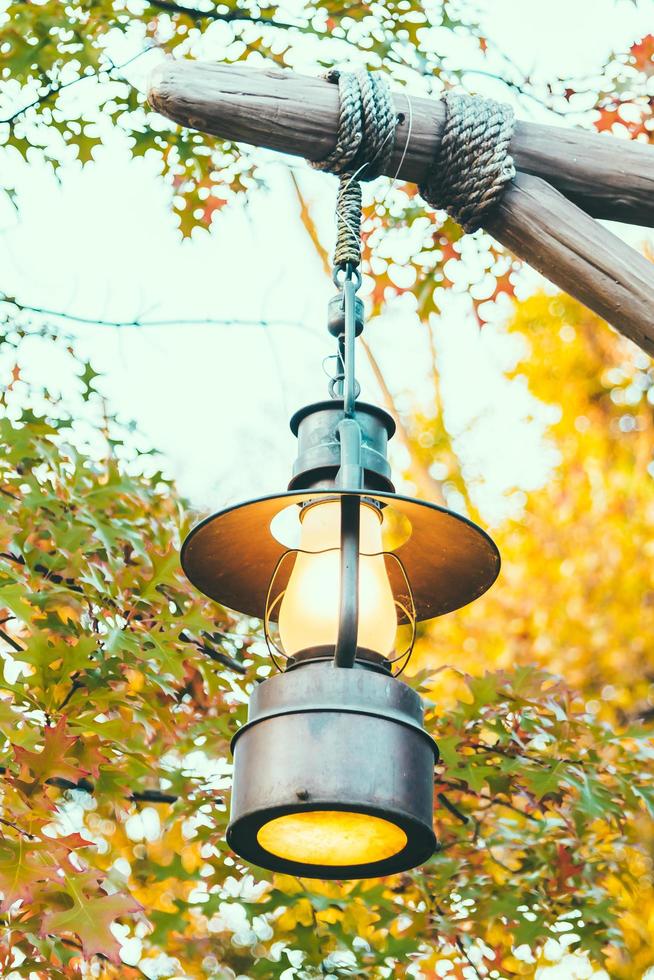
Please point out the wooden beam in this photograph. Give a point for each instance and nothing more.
(581, 256)
(288, 112)
(297, 114)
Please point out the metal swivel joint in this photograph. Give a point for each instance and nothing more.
(336, 315)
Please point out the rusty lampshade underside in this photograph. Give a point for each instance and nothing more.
(448, 560)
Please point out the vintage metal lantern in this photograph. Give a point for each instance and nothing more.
(333, 771)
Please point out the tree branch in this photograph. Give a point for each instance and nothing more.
(507, 752)
(490, 800)
(138, 322)
(229, 17)
(442, 798)
(138, 796)
(12, 643)
(216, 655)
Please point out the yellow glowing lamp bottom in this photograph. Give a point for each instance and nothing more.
(331, 838)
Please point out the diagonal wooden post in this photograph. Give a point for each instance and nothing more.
(558, 239)
(547, 227)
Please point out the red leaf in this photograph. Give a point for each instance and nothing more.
(54, 759)
(607, 119)
(566, 869)
(642, 54)
(23, 864)
(26, 863)
(212, 204)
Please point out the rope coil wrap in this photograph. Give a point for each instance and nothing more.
(467, 178)
(473, 165)
(364, 146)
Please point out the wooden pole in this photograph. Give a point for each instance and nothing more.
(581, 256)
(297, 114)
(285, 111)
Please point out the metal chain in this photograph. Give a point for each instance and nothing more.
(473, 164)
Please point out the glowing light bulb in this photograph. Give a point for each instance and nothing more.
(309, 611)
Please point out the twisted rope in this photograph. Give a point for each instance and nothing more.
(467, 178)
(363, 150)
(473, 165)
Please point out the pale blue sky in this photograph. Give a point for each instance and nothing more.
(216, 400)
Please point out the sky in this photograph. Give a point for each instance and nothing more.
(102, 243)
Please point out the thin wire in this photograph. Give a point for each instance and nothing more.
(408, 137)
(404, 151)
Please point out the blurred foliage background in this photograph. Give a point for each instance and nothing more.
(121, 687)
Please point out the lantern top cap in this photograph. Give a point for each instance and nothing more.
(337, 404)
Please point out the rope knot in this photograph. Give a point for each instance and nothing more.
(363, 150)
(473, 164)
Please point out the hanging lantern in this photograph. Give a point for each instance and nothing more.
(333, 771)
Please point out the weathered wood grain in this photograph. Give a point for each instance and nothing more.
(281, 110)
(585, 259)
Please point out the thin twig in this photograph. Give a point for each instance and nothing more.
(12, 643)
(75, 686)
(19, 830)
(56, 89)
(137, 322)
(519, 754)
(442, 798)
(138, 796)
(458, 941)
(230, 17)
(490, 800)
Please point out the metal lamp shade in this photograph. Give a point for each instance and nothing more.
(333, 775)
(448, 560)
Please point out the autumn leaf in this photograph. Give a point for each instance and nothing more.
(89, 916)
(24, 863)
(544, 780)
(567, 868)
(27, 861)
(55, 758)
(642, 55)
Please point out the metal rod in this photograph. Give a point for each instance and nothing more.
(349, 339)
(350, 473)
(348, 613)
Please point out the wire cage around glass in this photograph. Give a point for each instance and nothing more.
(307, 607)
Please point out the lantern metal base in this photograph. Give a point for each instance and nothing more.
(323, 738)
